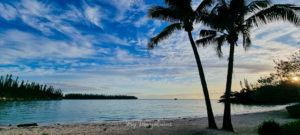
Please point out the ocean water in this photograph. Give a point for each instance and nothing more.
(77, 111)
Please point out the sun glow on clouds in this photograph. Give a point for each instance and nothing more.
(100, 47)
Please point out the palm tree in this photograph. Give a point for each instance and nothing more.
(232, 19)
(182, 16)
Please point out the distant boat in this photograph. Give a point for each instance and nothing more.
(175, 98)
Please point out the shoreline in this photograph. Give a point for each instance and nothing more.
(146, 119)
(242, 123)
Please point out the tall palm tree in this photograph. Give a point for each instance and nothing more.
(182, 16)
(231, 19)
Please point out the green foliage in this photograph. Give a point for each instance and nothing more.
(294, 111)
(12, 89)
(149, 126)
(95, 96)
(277, 88)
(285, 92)
(269, 128)
(273, 128)
(291, 128)
(286, 69)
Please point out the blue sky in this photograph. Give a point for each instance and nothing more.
(99, 46)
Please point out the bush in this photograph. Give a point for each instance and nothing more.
(269, 128)
(294, 111)
(292, 128)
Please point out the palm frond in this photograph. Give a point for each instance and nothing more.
(214, 39)
(177, 3)
(246, 39)
(203, 5)
(206, 40)
(162, 13)
(206, 17)
(218, 18)
(258, 5)
(220, 40)
(204, 33)
(202, 10)
(236, 5)
(165, 33)
(285, 12)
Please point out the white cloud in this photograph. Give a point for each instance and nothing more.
(33, 7)
(108, 38)
(123, 6)
(23, 45)
(157, 23)
(94, 15)
(124, 56)
(286, 1)
(150, 32)
(142, 41)
(73, 14)
(141, 22)
(8, 12)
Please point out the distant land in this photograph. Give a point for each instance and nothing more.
(96, 96)
(11, 89)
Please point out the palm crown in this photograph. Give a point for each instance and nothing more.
(229, 20)
(180, 14)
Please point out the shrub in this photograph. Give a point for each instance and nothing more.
(294, 111)
(291, 128)
(269, 128)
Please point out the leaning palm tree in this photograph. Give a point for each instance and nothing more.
(182, 16)
(232, 19)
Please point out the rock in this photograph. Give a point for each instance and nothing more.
(27, 125)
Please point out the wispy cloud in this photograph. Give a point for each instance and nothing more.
(124, 6)
(8, 11)
(142, 21)
(94, 15)
(25, 45)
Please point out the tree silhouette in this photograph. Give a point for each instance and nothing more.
(229, 20)
(12, 89)
(182, 16)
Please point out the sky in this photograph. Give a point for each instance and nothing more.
(100, 47)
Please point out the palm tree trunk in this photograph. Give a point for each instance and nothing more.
(211, 119)
(227, 125)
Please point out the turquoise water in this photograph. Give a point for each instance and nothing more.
(77, 111)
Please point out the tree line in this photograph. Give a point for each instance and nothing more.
(270, 89)
(96, 96)
(13, 89)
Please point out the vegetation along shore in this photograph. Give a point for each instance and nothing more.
(13, 90)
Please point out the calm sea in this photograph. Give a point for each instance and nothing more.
(76, 111)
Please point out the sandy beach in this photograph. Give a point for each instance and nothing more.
(243, 124)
